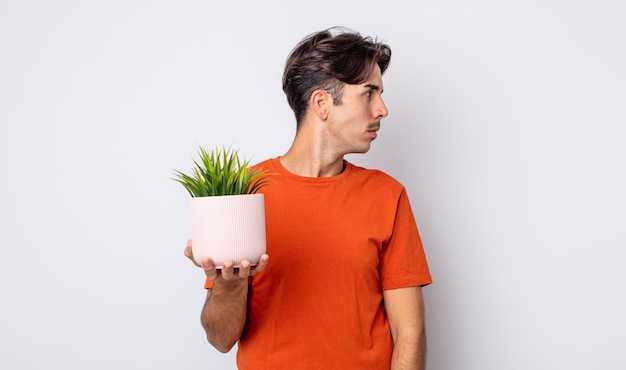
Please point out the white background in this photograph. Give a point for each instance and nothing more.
(507, 125)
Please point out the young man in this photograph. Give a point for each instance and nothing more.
(343, 288)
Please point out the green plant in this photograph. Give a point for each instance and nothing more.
(221, 172)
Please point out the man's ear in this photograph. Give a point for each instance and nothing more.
(321, 103)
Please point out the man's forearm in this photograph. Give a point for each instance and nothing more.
(224, 314)
(409, 352)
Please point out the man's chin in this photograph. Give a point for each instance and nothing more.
(362, 150)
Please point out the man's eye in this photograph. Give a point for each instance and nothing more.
(368, 94)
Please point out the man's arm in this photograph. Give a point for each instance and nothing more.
(405, 311)
(224, 312)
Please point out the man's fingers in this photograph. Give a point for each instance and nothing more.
(228, 270)
(209, 268)
(262, 263)
(189, 254)
(244, 269)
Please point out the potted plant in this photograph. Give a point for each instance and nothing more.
(226, 212)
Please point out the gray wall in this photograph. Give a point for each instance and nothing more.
(507, 126)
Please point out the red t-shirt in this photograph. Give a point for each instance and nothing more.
(335, 243)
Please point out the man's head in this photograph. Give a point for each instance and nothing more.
(327, 60)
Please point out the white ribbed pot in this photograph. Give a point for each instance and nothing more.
(228, 227)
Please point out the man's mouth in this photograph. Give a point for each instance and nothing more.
(373, 131)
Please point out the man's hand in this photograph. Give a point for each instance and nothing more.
(228, 272)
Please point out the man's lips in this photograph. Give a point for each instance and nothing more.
(373, 131)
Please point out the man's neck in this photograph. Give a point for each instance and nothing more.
(310, 156)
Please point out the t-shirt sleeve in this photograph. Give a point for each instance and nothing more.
(403, 260)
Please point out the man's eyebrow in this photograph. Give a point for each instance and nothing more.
(374, 87)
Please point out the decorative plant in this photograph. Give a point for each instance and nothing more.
(221, 172)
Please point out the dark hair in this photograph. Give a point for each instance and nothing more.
(327, 60)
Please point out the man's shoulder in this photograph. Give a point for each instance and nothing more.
(375, 177)
(265, 164)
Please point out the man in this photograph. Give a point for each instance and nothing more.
(343, 288)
